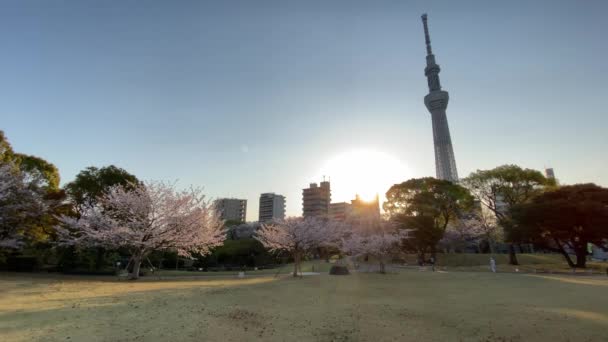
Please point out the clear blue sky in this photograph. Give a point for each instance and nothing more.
(244, 97)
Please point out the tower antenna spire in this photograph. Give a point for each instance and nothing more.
(427, 37)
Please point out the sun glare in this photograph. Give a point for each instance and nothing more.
(363, 172)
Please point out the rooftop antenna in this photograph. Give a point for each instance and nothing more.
(427, 37)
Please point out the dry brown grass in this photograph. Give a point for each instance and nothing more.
(409, 306)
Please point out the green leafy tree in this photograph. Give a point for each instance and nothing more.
(84, 191)
(93, 182)
(426, 206)
(19, 207)
(40, 178)
(6, 150)
(565, 220)
(502, 188)
(39, 171)
(43, 177)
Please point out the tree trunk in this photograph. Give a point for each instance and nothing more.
(581, 257)
(134, 275)
(296, 263)
(512, 255)
(421, 256)
(566, 256)
(382, 269)
(129, 267)
(99, 257)
(491, 246)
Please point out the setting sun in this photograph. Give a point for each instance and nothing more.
(364, 172)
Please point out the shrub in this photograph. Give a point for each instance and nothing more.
(243, 252)
(339, 270)
(22, 263)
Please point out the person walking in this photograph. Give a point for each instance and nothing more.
(493, 264)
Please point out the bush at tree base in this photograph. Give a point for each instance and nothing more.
(243, 252)
(338, 270)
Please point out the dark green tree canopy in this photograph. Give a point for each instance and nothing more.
(6, 150)
(92, 182)
(507, 184)
(503, 187)
(565, 219)
(39, 171)
(426, 206)
(36, 171)
(427, 196)
(40, 179)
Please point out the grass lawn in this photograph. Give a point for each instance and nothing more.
(542, 263)
(407, 306)
(307, 266)
(528, 263)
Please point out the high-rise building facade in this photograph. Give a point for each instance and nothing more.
(233, 209)
(357, 210)
(316, 200)
(437, 102)
(366, 209)
(340, 211)
(272, 206)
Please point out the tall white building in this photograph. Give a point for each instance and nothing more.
(232, 209)
(316, 200)
(272, 206)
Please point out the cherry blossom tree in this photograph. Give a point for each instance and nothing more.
(460, 234)
(381, 244)
(298, 236)
(485, 225)
(472, 229)
(147, 217)
(20, 206)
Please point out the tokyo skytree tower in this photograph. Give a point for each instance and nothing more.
(436, 102)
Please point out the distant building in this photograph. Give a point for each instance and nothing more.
(549, 173)
(366, 209)
(500, 205)
(356, 210)
(232, 209)
(316, 200)
(340, 211)
(272, 206)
